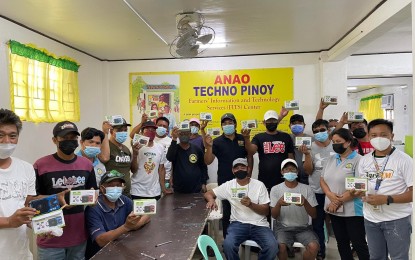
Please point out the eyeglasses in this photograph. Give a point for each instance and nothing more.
(321, 130)
(114, 173)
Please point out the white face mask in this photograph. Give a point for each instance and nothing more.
(6, 150)
(380, 143)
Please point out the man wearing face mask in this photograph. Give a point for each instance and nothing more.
(314, 161)
(59, 172)
(148, 181)
(121, 159)
(226, 148)
(95, 147)
(189, 168)
(273, 147)
(249, 200)
(162, 138)
(112, 216)
(195, 137)
(17, 182)
(297, 126)
(387, 206)
(292, 220)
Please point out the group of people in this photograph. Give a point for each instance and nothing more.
(376, 222)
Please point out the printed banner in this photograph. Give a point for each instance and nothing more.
(248, 94)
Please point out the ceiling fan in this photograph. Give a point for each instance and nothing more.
(192, 36)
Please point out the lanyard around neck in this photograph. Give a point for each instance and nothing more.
(379, 172)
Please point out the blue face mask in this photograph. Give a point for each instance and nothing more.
(92, 151)
(297, 129)
(113, 193)
(121, 137)
(321, 136)
(290, 176)
(161, 131)
(194, 129)
(228, 129)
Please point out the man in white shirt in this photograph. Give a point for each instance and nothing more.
(388, 202)
(17, 182)
(249, 201)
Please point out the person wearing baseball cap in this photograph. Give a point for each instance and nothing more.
(272, 146)
(195, 137)
(57, 173)
(121, 158)
(226, 148)
(112, 216)
(249, 201)
(293, 212)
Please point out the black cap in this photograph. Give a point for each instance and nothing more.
(296, 117)
(109, 176)
(228, 116)
(63, 128)
(149, 124)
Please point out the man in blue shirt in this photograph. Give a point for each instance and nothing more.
(112, 216)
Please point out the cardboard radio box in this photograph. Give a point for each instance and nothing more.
(141, 139)
(206, 116)
(359, 184)
(215, 131)
(43, 223)
(152, 114)
(292, 198)
(332, 100)
(45, 205)
(300, 140)
(355, 117)
(184, 126)
(249, 124)
(145, 206)
(82, 197)
(292, 105)
(114, 120)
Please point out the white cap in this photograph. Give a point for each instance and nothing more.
(270, 114)
(288, 161)
(242, 161)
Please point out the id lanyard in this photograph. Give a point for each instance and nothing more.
(380, 172)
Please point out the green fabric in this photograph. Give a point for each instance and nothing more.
(35, 54)
(372, 97)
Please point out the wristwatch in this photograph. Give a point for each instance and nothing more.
(389, 200)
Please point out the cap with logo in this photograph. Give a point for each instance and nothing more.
(228, 116)
(288, 161)
(63, 128)
(109, 176)
(242, 161)
(296, 117)
(194, 120)
(270, 114)
(149, 124)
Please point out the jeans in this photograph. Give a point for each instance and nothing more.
(348, 229)
(239, 232)
(318, 223)
(393, 237)
(65, 253)
(226, 215)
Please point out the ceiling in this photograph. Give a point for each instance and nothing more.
(110, 30)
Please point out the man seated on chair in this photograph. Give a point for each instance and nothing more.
(293, 214)
(249, 209)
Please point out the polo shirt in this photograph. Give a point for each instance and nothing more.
(99, 167)
(100, 219)
(226, 151)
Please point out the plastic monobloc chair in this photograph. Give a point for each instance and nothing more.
(203, 242)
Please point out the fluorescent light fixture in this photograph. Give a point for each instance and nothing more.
(351, 88)
(404, 86)
(214, 45)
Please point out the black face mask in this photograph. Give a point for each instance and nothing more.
(241, 174)
(271, 126)
(338, 148)
(359, 133)
(68, 146)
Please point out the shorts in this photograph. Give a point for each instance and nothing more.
(289, 235)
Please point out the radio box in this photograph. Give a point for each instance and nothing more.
(359, 184)
(249, 124)
(300, 140)
(45, 222)
(332, 100)
(152, 114)
(82, 197)
(292, 105)
(141, 139)
(206, 116)
(184, 126)
(115, 120)
(145, 206)
(292, 198)
(45, 205)
(355, 117)
(215, 131)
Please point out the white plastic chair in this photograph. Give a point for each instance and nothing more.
(214, 216)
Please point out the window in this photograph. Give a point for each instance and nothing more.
(43, 88)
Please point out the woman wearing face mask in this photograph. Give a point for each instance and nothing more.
(195, 137)
(345, 207)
